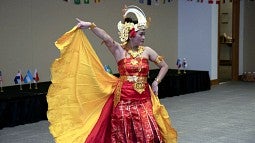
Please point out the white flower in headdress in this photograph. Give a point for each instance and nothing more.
(124, 28)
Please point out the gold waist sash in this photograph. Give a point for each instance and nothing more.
(134, 79)
(138, 82)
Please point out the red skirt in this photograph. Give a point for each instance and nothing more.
(132, 119)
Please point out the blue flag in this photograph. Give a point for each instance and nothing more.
(178, 63)
(28, 78)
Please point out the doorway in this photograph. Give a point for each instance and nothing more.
(228, 40)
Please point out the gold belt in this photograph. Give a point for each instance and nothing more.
(138, 82)
(135, 79)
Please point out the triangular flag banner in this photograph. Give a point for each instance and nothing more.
(77, 1)
(86, 1)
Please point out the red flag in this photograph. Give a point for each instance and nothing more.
(21, 77)
(36, 76)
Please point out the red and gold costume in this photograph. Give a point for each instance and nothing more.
(87, 104)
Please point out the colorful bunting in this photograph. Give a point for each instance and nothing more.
(156, 2)
(77, 1)
(86, 1)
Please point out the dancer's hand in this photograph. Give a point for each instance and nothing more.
(83, 24)
(154, 87)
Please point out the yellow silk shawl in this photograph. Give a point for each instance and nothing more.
(80, 88)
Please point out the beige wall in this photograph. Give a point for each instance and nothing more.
(29, 29)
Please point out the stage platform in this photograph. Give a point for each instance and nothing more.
(24, 106)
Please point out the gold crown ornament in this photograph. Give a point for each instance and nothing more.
(124, 28)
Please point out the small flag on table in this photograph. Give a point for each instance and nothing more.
(18, 78)
(36, 78)
(178, 63)
(28, 78)
(184, 65)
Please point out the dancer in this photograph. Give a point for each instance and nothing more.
(99, 107)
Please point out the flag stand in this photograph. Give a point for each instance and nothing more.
(184, 71)
(30, 87)
(179, 72)
(36, 85)
(2, 87)
(20, 87)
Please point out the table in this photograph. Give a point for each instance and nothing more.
(30, 105)
(23, 106)
(175, 84)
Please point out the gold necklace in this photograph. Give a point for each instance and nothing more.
(135, 63)
(134, 54)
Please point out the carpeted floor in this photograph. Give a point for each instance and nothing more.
(224, 114)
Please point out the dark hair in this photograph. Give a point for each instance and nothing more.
(130, 20)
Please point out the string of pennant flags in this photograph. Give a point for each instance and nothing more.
(156, 2)
(148, 2)
(214, 1)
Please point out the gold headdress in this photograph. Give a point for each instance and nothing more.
(124, 28)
